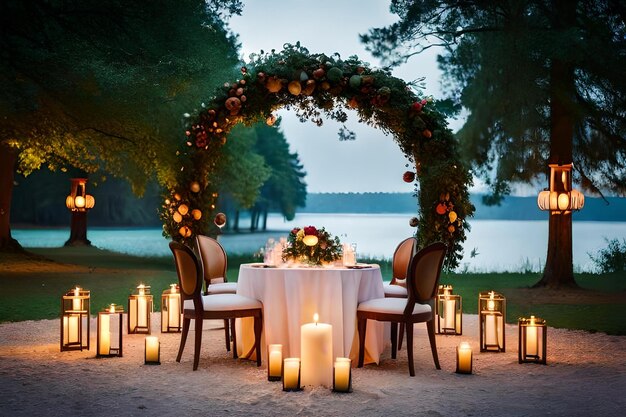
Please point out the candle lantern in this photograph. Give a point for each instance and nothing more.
(492, 317)
(316, 347)
(171, 310)
(342, 375)
(78, 202)
(110, 323)
(139, 309)
(274, 362)
(152, 351)
(448, 311)
(291, 374)
(560, 199)
(532, 340)
(464, 358)
(75, 320)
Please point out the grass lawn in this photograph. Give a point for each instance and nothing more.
(31, 288)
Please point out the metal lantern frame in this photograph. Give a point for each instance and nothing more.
(492, 317)
(445, 295)
(75, 311)
(138, 304)
(560, 198)
(78, 199)
(527, 353)
(167, 306)
(107, 315)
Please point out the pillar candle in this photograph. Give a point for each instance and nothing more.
(152, 349)
(174, 310)
(531, 337)
(464, 358)
(275, 361)
(342, 374)
(142, 306)
(449, 314)
(291, 373)
(490, 330)
(316, 347)
(76, 302)
(70, 329)
(105, 336)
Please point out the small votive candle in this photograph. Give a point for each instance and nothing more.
(152, 351)
(464, 358)
(274, 362)
(291, 374)
(342, 376)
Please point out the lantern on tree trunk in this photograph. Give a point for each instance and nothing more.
(492, 317)
(75, 320)
(139, 309)
(448, 311)
(110, 323)
(533, 338)
(79, 202)
(560, 198)
(171, 310)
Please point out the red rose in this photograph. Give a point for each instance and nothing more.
(295, 231)
(408, 176)
(310, 230)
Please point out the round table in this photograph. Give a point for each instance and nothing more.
(292, 295)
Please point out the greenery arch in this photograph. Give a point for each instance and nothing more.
(314, 85)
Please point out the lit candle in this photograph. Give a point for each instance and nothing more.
(76, 303)
(291, 374)
(464, 358)
(152, 349)
(490, 330)
(274, 362)
(531, 337)
(70, 329)
(174, 308)
(112, 308)
(142, 314)
(142, 289)
(105, 337)
(491, 304)
(316, 346)
(449, 313)
(342, 374)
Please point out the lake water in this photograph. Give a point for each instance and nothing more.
(500, 245)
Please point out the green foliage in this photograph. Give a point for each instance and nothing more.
(612, 258)
(326, 249)
(511, 64)
(312, 85)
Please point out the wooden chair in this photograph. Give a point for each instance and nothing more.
(209, 307)
(423, 280)
(214, 263)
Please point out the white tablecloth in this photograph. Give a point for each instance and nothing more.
(291, 296)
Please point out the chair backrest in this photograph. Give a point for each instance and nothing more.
(188, 270)
(400, 261)
(424, 272)
(213, 257)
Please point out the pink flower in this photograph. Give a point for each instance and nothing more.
(295, 231)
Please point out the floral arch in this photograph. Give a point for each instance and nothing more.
(314, 85)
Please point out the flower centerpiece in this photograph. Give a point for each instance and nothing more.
(313, 246)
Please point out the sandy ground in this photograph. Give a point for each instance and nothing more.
(585, 376)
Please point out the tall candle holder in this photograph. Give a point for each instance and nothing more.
(533, 338)
(448, 311)
(75, 320)
(492, 318)
(139, 309)
(171, 310)
(110, 323)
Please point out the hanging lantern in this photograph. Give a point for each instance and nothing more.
(448, 311)
(75, 320)
(78, 199)
(561, 198)
(110, 325)
(139, 309)
(171, 310)
(532, 340)
(492, 317)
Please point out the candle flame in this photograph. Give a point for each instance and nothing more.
(173, 288)
(112, 308)
(464, 345)
(491, 294)
(316, 318)
(532, 320)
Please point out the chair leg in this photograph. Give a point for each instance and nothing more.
(183, 338)
(362, 328)
(234, 336)
(400, 336)
(227, 335)
(409, 347)
(258, 327)
(394, 339)
(430, 326)
(196, 351)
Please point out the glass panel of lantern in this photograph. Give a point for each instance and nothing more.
(532, 340)
(75, 320)
(492, 317)
(110, 323)
(448, 311)
(139, 309)
(171, 310)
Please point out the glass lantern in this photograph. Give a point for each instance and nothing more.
(110, 323)
(448, 311)
(291, 374)
(492, 318)
(171, 310)
(532, 340)
(75, 320)
(139, 309)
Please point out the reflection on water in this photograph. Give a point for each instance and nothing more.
(500, 245)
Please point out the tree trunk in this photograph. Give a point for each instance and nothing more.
(236, 222)
(264, 220)
(559, 271)
(78, 230)
(8, 159)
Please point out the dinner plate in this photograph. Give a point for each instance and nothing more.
(262, 266)
(362, 266)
